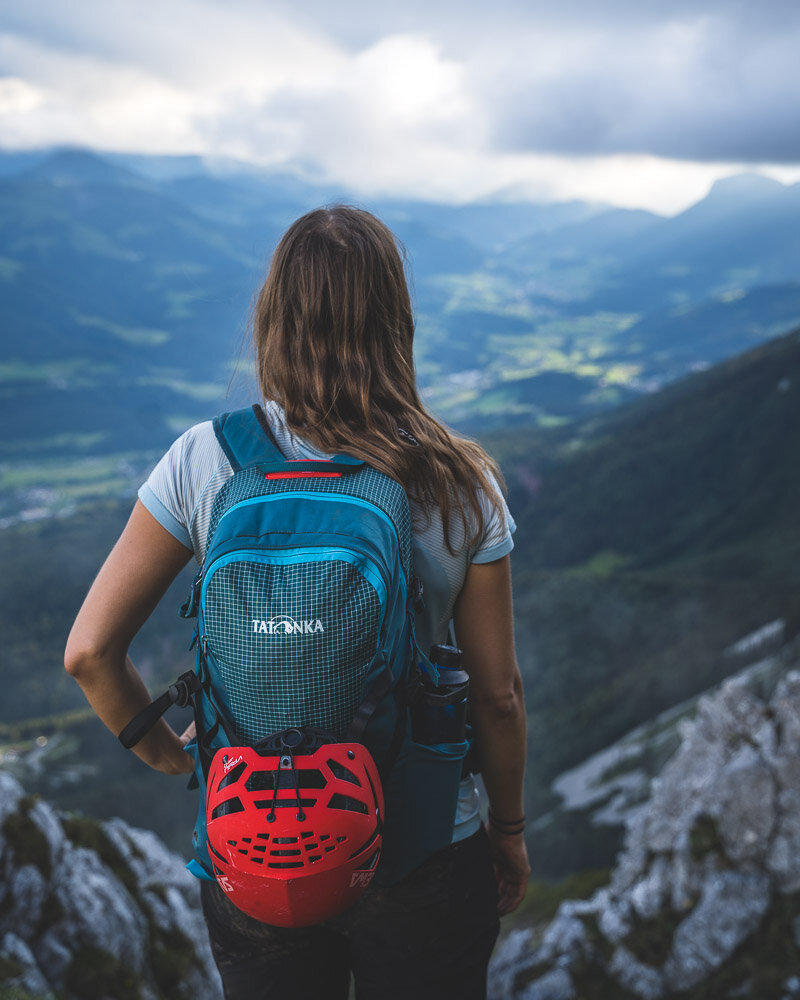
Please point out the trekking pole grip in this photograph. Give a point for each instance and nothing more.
(141, 724)
(180, 694)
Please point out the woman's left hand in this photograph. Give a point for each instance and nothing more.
(189, 734)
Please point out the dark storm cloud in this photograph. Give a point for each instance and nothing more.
(704, 83)
(705, 80)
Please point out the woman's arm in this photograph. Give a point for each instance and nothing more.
(485, 632)
(133, 579)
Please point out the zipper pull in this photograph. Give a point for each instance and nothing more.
(189, 609)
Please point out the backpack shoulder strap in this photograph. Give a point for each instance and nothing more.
(245, 437)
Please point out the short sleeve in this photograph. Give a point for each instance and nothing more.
(496, 540)
(181, 488)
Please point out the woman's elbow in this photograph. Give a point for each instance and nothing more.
(500, 704)
(82, 656)
(76, 658)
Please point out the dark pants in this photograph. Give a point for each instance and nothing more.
(428, 937)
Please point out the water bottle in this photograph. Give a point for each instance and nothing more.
(439, 714)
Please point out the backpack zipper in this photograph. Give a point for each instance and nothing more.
(306, 554)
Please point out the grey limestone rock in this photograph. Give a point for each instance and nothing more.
(28, 890)
(704, 860)
(10, 795)
(148, 859)
(29, 978)
(554, 985)
(786, 709)
(45, 818)
(649, 895)
(732, 906)
(745, 806)
(171, 894)
(566, 936)
(62, 902)
(98, 910)
(509, 961)
(613, 917)
(642, 980)
(54, 951)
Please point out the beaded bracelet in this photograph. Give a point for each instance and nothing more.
(502, 826)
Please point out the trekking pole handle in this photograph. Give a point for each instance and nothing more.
(141, 724)
(178, 694)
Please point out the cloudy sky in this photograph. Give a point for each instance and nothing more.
(637, 102)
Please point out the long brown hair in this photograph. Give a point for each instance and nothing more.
(334, 334)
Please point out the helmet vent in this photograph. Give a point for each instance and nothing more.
(217, 854)
(227, 808)
(282, 803)
(341, 772)
(346, 802)
(232, 777)
(264, 781)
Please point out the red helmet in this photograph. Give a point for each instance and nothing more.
(294, 826)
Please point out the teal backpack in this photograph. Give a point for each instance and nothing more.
(305, 618)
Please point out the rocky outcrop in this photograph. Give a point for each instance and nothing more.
(705, 899)
(95, 910)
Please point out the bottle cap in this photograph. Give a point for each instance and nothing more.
(445, 656)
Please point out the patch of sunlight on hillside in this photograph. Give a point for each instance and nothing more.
(75, 373)
(482, 292)
(59, 442)
(201, 391)
(141, 336)
(621, 374)
(9, 269)
(180, 305)
(602, 564)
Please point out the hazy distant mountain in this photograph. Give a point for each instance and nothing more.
(127, 283)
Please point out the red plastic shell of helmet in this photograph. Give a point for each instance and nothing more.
(294, 839)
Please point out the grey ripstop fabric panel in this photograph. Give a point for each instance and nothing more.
(365, 484)
(285, 656)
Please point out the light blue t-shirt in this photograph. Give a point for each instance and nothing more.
(180, 493)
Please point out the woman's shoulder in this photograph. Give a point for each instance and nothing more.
(192, 469)
(198, 441)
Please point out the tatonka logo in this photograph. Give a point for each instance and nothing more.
(285, 625)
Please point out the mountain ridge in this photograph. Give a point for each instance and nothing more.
(153, 277)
